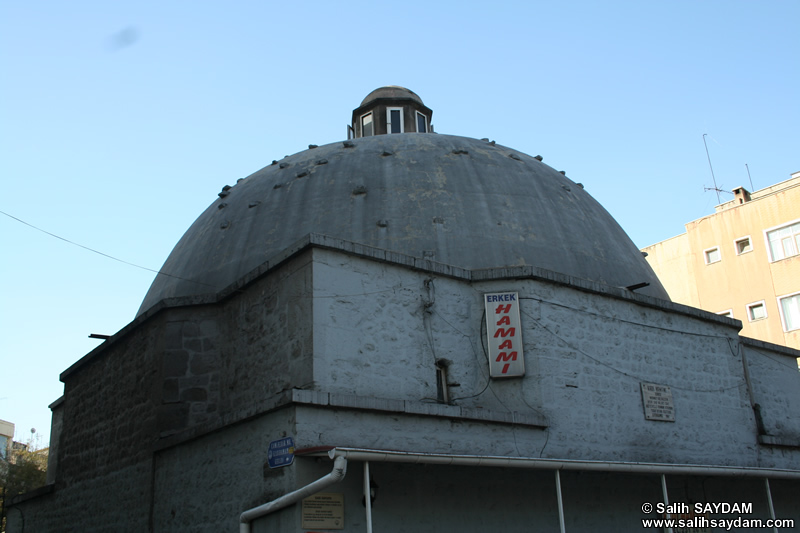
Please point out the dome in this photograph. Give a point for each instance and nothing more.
(455, 200)
(394, 92)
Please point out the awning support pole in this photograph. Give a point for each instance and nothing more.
(771, 507)
(666, 499)
(367, 497)
(560, 502)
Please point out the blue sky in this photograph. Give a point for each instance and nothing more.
(121, 121)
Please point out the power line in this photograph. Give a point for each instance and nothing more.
(611, 367)
(99, 252)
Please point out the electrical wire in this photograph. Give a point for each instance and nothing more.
(488, 380)
(632, 376)
(159, 272)
(671, 330)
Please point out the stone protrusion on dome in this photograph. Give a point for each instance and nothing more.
(390, 109)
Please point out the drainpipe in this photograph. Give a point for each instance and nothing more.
(762, 430)
(336, 475)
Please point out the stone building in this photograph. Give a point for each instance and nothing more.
(413, 332)
(742, 261)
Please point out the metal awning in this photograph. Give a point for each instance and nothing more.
(341, 455)
(392, 456)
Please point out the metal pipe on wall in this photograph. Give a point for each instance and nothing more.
(336, 475)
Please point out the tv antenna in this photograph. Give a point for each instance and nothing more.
(712, 169)
(748, 175)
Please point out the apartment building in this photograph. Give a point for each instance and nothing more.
(743, 261)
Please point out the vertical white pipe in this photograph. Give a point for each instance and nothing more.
(367, 497)
(666, 499)
(771, 508)
(560, 503)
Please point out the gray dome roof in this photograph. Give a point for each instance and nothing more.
(457, 200)
(391, 91)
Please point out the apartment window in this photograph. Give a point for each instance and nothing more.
(743, 245)
(728, 313)
(366, 125)
(790, 311)
(784, 242)
(422, 123)
(712, 255)
(394, 119)
(756, 311)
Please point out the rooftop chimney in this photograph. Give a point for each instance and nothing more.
(741, 194)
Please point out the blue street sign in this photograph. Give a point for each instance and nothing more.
(281, 452)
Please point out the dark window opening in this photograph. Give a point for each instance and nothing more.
(366, 125)
(422, 123)
(395, 121)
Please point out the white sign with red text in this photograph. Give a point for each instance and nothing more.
(504, 335)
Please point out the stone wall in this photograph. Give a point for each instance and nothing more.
(176, 374)
(105, 427)
(166, 426)
(56, 424)
(203, 485)
(775, 383)
(226, 362)
(379, 330)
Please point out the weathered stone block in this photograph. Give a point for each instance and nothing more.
(196, 381)
(202, 364)
(173, 336)
(176, 363)
(170, 392)
(193, 345)
(194, 394)
(172, 418)
(190, 329)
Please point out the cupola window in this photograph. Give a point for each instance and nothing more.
(390, 110)
(422, 123)
(366, 125)
(394, 120)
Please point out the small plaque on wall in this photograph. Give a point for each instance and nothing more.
(657, 402)
(323, 511)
